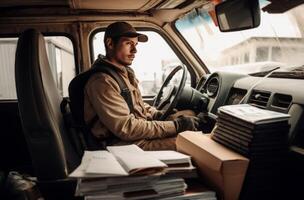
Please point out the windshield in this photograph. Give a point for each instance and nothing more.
(277, 42)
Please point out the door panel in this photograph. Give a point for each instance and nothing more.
(14, 154)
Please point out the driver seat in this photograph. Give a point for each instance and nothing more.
(52, 154)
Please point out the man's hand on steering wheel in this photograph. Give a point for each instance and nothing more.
(188, 123)
(169, 96)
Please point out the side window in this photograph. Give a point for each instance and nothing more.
(61, 58)
(153, 61)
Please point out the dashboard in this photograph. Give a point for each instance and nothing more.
(217, 87)
(277, 94)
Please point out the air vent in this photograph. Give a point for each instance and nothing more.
(259, 98)
(281, 101)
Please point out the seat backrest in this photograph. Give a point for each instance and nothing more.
(52, 154)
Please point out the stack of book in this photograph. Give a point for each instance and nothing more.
(128, 172)
(178, 165)
(262, 136)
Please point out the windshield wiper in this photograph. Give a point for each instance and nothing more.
(293, 73)
(298, 69)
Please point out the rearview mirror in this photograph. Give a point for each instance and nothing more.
(235, 15)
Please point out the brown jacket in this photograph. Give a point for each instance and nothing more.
(102, 97)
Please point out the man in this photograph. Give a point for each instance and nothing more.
(115, 123)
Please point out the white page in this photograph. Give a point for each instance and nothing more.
(105, 163)
(169, 157)
(80, 171)
(132, 158)
(253, 114)
(132, 148)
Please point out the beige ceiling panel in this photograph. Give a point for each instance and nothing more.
(150, 4)
(127, 5)
(13, 3)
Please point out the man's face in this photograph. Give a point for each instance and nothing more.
(125, 49)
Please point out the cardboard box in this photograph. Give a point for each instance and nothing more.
(221, 168)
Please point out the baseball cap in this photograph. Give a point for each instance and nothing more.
(119, 29)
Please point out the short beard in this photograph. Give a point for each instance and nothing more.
(124, 63)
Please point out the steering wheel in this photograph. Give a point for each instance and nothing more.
(169, 95)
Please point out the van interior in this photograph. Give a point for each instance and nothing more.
(254, 56)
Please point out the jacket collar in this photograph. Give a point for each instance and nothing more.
(104, 60)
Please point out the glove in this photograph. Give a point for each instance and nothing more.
(207, 122)
(203, 117)
(187, 123)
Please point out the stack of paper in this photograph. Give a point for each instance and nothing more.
(262, 136)
(139, 190)
(128, 172)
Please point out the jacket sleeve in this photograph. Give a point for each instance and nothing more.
(113, 112)
(150, 110)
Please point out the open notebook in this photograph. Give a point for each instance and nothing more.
(117, 161)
